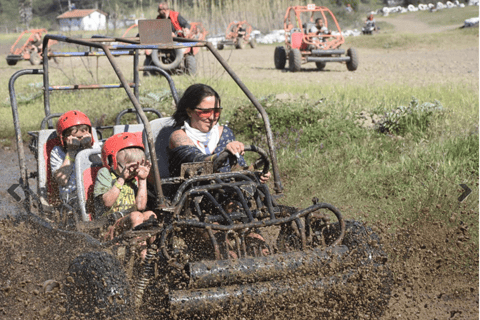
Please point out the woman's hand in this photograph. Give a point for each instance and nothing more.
(236, 147)
(143, 169)
(264, 177)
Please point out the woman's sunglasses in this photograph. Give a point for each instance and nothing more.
(207, 113)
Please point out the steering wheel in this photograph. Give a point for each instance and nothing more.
(222, 157)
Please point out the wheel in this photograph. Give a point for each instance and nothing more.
(352, 65)
(240, 43)
(167, 59)
(96, 282)
(35, 58)
(280, 57)
(321, 65)
(220, 46)
(295, 60)
(190, 65)
(11, 62)
(253, 43)
(366, 252)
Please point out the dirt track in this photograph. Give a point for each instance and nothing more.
(431, 281)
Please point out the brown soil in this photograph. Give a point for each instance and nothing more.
(434, 264)
(434, 268)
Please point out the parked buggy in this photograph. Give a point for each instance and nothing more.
(31, 49)
(179, 60)
(176, 278)
(306, 41)
(238, 34)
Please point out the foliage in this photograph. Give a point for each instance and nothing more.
(296, 126)
(264, 15)
(414, 119)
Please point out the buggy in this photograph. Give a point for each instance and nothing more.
(304, 42)
(171, 60)
(30, 50)
(205, 259)
(238, 34)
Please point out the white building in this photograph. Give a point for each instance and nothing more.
(82, 19)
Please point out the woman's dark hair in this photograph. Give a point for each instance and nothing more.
(191, 98)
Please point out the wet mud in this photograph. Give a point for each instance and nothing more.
(432, 274)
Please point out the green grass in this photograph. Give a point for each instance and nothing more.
(445, 17)
(463, 38)
(321, 151)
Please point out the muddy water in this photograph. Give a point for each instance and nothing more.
(9, 175)
(434, 271)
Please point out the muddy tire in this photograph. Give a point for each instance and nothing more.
(368, 256)
(252, 43)
(96, 282)
(190, 65)
(220, 46)
(352, 65)
(240, 43)
(321, 65)
(365, 242)
(35, 58)
(295, 60)
(171, 62)
(280, 57)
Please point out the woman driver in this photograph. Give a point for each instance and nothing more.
(200, 136)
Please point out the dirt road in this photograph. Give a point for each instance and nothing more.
(429, 280)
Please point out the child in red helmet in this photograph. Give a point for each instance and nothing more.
(121, 185)
(74, 130)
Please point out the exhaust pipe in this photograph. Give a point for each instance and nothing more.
(328, 59)
(214, 273)
(183, 303)
(327, 52)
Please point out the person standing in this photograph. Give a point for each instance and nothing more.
(180, 25)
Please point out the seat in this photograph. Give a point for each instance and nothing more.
(87, 164)
(162, 129)
(296, 38)
(119, 128)
(47, 188)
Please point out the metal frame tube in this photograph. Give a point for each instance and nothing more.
(18, 131)
(271, 145)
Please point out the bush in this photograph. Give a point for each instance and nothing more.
(295, 126)
(413, 119)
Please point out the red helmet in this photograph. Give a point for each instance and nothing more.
(70, 119)
(118, 142)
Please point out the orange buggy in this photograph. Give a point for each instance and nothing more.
(238, 34)
(30, 50)
(313, 40)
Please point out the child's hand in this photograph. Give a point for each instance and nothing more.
(129, 171)
(78, 142)
(72, 143)
(143, 169)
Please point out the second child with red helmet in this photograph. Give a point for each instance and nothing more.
(121, 185)
(74, 130)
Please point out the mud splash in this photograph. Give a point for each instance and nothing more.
(434, 267)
